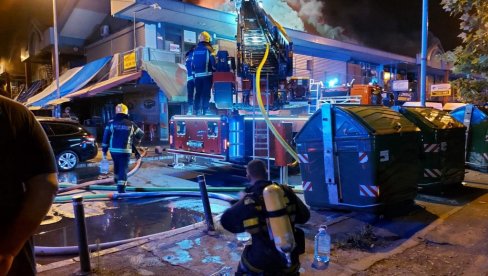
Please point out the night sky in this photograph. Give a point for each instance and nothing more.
(390, 25)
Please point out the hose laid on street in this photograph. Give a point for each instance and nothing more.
(115, 196)
(156, 189)
(109, 180)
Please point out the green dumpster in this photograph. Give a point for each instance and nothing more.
(476, 120)
(442, 145)
(358, 157)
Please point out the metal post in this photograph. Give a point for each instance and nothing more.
(57, 112)
(206, 204)
(79, 212)
(267, 127)
(134, 24)
(423, 54)
(284, 175)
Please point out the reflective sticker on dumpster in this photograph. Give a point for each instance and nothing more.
(303, 158)
(384, 155)
(369, 191)
(307, 185)
(431, 147)
(485, 155)
(363, 157)
(434, 173)
(444, 146)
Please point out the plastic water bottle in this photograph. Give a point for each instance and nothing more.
(104, 166)
(322, 248)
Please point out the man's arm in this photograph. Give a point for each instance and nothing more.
(107, 134)
(40, 192)
(232, 218)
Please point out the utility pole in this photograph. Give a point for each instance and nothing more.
(423, 54)
(57, 112)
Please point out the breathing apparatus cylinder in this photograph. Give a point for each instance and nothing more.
(279, 225)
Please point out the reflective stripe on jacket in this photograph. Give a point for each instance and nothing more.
(203, 62)
(119, 135)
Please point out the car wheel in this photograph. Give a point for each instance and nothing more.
(67, 160)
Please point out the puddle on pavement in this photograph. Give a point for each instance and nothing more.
(108, 221)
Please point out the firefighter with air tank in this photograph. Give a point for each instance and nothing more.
(269, 213)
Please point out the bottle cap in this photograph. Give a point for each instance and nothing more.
(323, 226)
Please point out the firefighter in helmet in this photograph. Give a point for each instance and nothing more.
(120, 135)
(203, 65)
(269, 213)
(190, 80)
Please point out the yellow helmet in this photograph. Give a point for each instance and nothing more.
(122, 108)
(204, 36)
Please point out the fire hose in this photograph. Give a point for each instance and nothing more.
(263, 111)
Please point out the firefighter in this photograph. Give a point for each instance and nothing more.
(190, 82)
(120, 136)
(262, 257)
(203, 65)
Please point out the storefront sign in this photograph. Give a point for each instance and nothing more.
(130, 61)
(440, 90)
(189, 36)
(400, 85)
(174, 48)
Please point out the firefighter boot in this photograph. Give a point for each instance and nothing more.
(121, 187)
(190, 110)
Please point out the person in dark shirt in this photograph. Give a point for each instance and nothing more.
(27, 187)
(249, 214)
(120, 137)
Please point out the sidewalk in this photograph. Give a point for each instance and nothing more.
(447, 236)
(442, 241)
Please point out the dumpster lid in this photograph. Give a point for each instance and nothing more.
(380, 119)
(434, 118)
(479, 114)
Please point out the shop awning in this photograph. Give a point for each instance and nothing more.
(73, 80)
(97, 89)
(170, 78)
(104, 85)
(52, 87)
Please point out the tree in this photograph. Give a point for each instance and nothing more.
(471, 58)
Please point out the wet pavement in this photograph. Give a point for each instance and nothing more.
(359, 239)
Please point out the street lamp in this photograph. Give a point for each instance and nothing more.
(56, 58)
(423, 51)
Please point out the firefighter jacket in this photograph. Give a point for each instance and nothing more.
(120, 134)
(203, 62)
(249, 214)
(188, 65)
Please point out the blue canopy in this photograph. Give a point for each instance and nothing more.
(79, 80)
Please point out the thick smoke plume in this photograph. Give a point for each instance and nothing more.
(302, 15)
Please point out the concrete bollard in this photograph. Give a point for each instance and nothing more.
(85, 268)
(206, 204)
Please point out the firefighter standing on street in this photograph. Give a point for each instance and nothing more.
(190, 81)
(203, 64)
(119, 137)
(253, 214)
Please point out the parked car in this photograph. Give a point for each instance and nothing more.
(70, 141)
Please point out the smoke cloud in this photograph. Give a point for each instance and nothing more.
(301, 15)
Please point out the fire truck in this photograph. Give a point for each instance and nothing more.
(239, 132)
